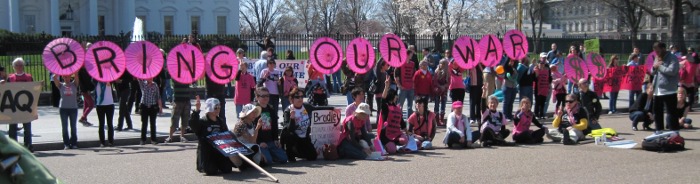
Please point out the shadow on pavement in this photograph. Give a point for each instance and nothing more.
(54, 154)
(253, 175)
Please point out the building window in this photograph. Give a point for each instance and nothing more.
(654, 36)
(643, 36)
(168, 25)
(664, 21)
(194, 20)
(145, 24)
(221, 25)
(30, 24)
(664, 36)
(101, 25)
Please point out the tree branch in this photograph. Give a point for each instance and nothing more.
(691, 5)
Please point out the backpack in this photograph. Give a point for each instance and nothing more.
(664, 144)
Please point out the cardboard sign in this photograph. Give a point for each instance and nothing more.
(491, 50)
(575, 68)
(325, 127)
(596, 65)
(221, 64)
(360, 55)
(592, 45)
(145, 60)
(19, 102)
(228, 144)
(299, 67)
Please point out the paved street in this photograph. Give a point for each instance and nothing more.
(545, 163)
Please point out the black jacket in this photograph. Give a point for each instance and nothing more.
(209, 159)
(272, 133)
(641, 103)
(590, 101)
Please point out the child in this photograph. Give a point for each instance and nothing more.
(354, 142)
(288, 82)
(493, 131)
(422, 124)
(558, 88)
(523, 118)
(459, 133)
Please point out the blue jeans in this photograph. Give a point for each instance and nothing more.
(613, 101)
(633, 97)
(637, 116)
(335, 78)
(546, 104)
(273, 153)
(440, 103)
(167, 92)
(73, 115)
(239, 108)
(571, 87)
(347, 150)
(526, 91)
(285, 102)
(407, 95)
(508, 100)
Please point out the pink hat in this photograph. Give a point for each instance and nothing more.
(457, 104)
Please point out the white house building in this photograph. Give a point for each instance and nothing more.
(112, 17)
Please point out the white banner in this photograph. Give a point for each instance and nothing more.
(325, 127)
(19, 102)
(299, 67)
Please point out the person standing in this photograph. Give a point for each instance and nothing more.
(150, 107)
(289, 82)
(552, 53)
(542, 89)
(404, 77)
(20, 76)
(68, 108)
(456, 87)
(526, 78)
(424, 79)
(245, 86)
(269, 78)
(615, 89)
(267, 135)
(665, 71)
(182, 94)
(509, 89)
(633, 61)
(382, 74)
(55, 93)
(124, 92)
(86, 88)
(476, 82)
(105, 109)
(440, 83)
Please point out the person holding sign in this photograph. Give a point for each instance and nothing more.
(245, 85)
(456, 87)
(269, 78)
(105, 112)
(295, 137)
(20, 76)
(616, 88)
(68, 108)
(150, 107)
(209, 160)
(421, 124)
(391, 125)
(576, 124)
(354, 141)
(665, 71)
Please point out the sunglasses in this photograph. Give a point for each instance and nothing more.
(217, 107)
(263, 96)
(570, 101)
(298, 97)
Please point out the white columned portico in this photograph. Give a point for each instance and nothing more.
(14, 15)
(127, 16)
(92, 17)
(54, 21)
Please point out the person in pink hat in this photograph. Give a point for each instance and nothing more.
(459, 133)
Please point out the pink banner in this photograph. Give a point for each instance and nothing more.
(614, 78)
(185, 63)
(105, 61)
(596, 65)
(145, 60)
(393, 50)
(466, 52)
(63, 56)
(543, 84)
(360, 55)
(624, 78)
(326, 55)
(491, 50)
(575, 68)
(221, 64)
(515, 44)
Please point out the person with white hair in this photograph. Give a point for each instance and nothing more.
(209, 160)
(259, 65)
(20, 76)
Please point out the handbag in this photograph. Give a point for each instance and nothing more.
(330, 152)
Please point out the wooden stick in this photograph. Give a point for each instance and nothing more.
(258, 167)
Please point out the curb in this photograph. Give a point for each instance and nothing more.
(130, 141)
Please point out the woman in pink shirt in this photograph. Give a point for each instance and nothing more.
(456, 83)
(288, 83)
(245, 84)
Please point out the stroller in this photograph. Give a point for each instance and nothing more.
(317, 95)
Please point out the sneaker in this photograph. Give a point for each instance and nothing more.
(85, 122)
(168, 140)
(634, 129)
(102, 145)
(66, 147)
(127, 129)
(183, 140)
(610, 112)
(74, 147)
(154, 142)
(471, 122)
(117, 129)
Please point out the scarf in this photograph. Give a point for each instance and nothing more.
(571, 112)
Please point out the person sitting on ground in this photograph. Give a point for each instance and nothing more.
(522, 120)
(682, 108)
(493, 130)
(209, 159)
(577, 121)
(391, 126)
(642, 108)
(589, 100)
(358, 96)
(296, 140)
(268, 138)
(459, 133)
(354, 142)
(247, 131)
(421, 124)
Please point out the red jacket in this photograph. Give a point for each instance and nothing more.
(423, 83)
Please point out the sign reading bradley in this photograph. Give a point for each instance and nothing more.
(19, 102)
(325, 127)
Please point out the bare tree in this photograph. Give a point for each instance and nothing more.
(357, 13)
(630, 14)
(260, 15)
(392, 15)
(328, 12)
(303, 12)
(677, 18)
(536, 9)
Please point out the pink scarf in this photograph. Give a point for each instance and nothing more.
(571, 112)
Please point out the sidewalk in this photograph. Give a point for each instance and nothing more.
(47, 133)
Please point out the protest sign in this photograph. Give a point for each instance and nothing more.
(19, 102)
(145, 60)
(592, 45)
(491, 50)
(221, 64)
(515, 44)
(299, 67)
(596, 65)
(105, 61)
(360, 55)
(466, 52)
(326, 55)
(393, 50)
(63, 56)
(575, 68)
(325, 127)
(185, 63)
(228, 144)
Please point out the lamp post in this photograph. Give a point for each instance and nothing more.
(520, 15)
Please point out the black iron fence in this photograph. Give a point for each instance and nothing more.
(30, 47)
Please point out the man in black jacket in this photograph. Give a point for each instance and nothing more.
(590, 101)
(641, 109)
